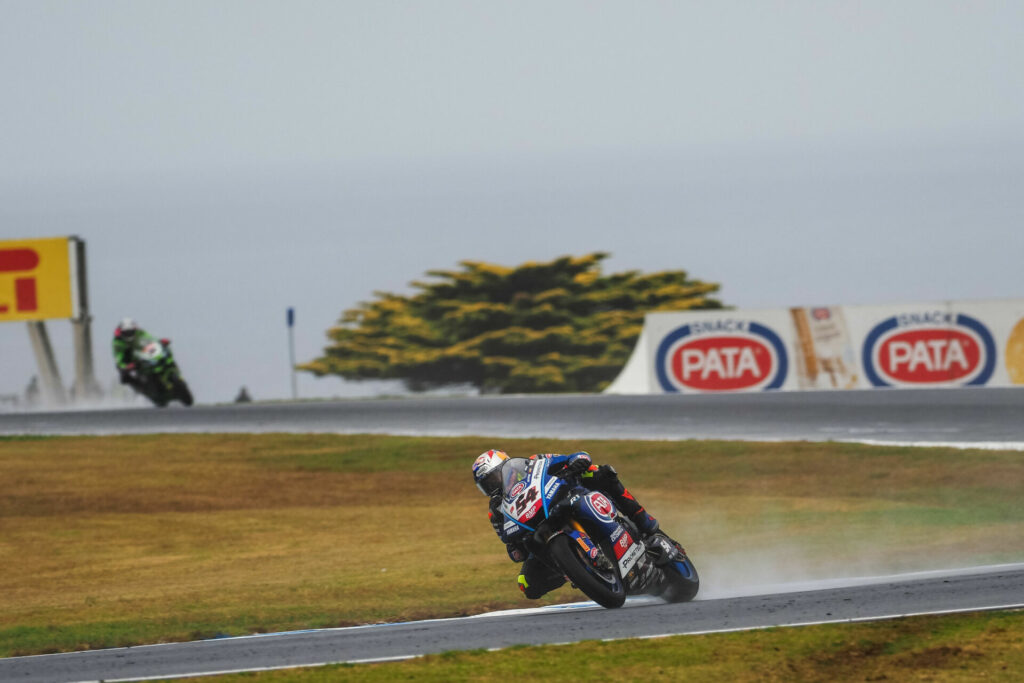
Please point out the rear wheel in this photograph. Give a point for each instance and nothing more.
(681, 579)
(598, 578)
(149, 387)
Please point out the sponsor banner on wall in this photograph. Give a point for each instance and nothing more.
(720, 354)
(35, 279)
(946, 344)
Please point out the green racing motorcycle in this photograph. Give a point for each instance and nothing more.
(157, 376)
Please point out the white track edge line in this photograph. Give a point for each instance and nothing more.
(587, 605)
(739, 629)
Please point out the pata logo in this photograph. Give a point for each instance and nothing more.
(928, 349)
(724, 355)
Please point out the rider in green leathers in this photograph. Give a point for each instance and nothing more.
(127, 337)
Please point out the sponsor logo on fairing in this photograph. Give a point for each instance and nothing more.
(538, 469)
(550, 487)
(528, 515)
(517, 489)
(929, 348)
(601, 507)
(624, 542)
(721, 355)
(630, 558)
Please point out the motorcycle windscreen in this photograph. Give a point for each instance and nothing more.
(522, 487)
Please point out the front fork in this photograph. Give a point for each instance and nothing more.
(580, 536)
(571, 528)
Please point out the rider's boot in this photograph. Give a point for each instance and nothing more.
(645, 523)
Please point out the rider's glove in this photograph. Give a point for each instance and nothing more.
(578, 463)
(515, 553)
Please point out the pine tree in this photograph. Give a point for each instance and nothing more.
(559, 326)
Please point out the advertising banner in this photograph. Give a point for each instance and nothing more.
(945, 344)
(35, 279)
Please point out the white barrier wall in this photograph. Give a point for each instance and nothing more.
(945, 344)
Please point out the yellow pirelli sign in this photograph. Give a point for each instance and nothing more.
(35, 279)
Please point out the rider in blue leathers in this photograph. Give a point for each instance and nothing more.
(536, 578)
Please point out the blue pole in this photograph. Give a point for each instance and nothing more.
(291, 349)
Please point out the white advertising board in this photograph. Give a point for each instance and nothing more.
(945, 344)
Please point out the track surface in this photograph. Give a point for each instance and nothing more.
(962, 416)
(977, 417)
(991, 588)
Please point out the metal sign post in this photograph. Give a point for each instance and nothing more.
(85, 379)
(49, 374)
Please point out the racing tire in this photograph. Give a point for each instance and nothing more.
(605, 588)
(181, 391)
(149, 388)
(681, 578)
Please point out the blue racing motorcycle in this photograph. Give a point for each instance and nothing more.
(581, 533)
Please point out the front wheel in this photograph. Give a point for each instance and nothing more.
(181, 390)
(598, 579)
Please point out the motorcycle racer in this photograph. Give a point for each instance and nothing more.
(536, 578)
(127, 337)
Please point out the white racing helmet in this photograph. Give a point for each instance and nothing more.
(127, 328)
(487, 471)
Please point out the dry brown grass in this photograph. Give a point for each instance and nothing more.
(114, 540)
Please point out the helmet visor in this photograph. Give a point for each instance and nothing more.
(490, 483)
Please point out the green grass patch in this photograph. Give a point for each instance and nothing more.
(111, 541)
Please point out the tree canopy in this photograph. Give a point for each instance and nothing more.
(558, 326)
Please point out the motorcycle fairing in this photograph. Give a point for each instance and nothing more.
(601, 513)
(150, 351)
(155, 361)
(627, 552)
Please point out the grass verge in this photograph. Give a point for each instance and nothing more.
(110, 541)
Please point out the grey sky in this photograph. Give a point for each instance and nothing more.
(224, 160)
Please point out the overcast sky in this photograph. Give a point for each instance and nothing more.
(226, 160)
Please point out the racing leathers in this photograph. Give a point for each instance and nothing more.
(536, 577)
(124, 353)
